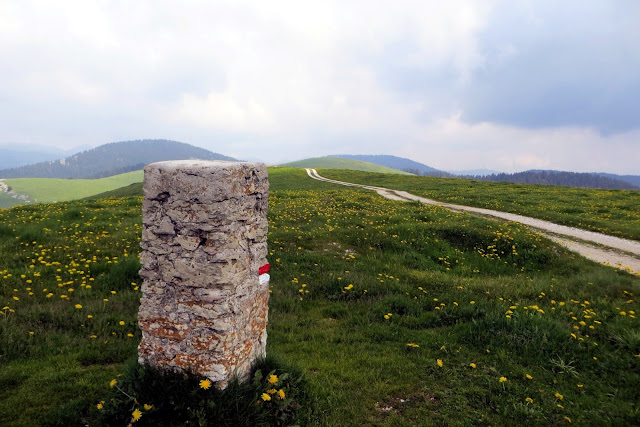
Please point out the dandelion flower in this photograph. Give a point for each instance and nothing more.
(567, 419)
(281, 394)
(559, 396)
(78, 306)
(113, 383)
(266, 397)
(205, 384)
(136, 415)
(100, 405)
(271, 391)
(439, 362)
(528, 400)
(121, 323)
(147, 407)
(273, 379)
(503, 379)
(473, 365)
(529, 377)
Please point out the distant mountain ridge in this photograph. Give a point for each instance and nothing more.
(631, 179)
(474, 172)
(112, 159)
(568, 179)
(541, 177)
(12, 156)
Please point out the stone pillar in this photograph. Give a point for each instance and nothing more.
(204, 241)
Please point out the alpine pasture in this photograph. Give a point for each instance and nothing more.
(393, 313)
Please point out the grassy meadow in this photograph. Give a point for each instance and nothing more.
(396, 314)
(615, 212)
(47, 190)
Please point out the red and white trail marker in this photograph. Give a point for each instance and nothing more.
(263, 274)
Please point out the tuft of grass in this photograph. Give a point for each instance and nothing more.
(147, 396)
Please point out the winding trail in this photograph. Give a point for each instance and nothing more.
(608, 250)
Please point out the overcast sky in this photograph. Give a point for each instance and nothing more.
(457, 84)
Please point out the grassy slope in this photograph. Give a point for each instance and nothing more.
(339, 163)
(615, 212)
(463, 289)
(46, 190)
(7, 201)
(134, 189)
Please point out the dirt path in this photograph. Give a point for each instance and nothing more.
(609, 250)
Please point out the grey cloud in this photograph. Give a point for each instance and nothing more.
(573, 65)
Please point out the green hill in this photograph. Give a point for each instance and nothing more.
(394, 162)
(340, 163)
(47, 190)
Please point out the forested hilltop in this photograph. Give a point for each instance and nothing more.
(112, 159)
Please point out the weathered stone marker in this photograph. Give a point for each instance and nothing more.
(204, 241)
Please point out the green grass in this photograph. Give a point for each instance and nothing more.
(339, 163)
(47, 190)
(615, 212)
(355, 278)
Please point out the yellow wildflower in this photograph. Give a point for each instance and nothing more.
(273, 379)
(113, 383)
(266, 397)
(503, 379)
(528, 400)
(439, 362)
(281, 393)
(136, 415)
(147, 407)
(205, 384)
(473, 365)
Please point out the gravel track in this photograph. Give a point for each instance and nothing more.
(608, 250)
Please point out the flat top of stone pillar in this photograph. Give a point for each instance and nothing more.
(201, 165)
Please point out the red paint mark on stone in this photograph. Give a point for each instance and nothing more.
(264, 269)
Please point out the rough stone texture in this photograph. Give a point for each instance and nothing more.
(204, 238)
